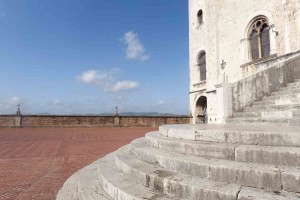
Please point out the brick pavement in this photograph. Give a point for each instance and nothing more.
(35, 162)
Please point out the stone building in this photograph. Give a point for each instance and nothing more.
(231, 40)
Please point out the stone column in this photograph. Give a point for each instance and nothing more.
(224, 102)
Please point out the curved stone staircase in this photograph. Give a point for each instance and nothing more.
(197, 162)
(281, 107)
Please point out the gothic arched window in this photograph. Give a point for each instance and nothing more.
(202, 65)
(259, 37)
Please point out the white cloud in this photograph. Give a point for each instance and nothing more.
(96, 77)
(161, 102)
(14, 100)
(135, 49)
(123, 85)
(106, 80)
(56, 101)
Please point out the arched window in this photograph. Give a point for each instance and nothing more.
(259, 37)
(202, 65)
(200, 17)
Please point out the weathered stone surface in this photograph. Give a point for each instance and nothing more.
(197, 148)
(84, 184)
(248, 174)
(118, 187)
(266, 135)
(268, 155)
(256, 194)
(156, 167)
(291, 179)
(172, 184)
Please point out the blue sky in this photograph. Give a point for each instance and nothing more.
(88, 56)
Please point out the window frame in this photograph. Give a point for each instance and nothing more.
(259, 48)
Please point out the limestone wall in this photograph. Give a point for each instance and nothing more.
(262, 83)
(9, 121)
(223, 35)
(88, 121)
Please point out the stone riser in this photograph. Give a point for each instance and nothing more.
(247, 114)
(290, 87)
(295, 84)
(285, 92)
(245, 134)
(273, 113)
(266, 103)
(252, 175)
(258, 121)
(272, 107)
(119, 187)
(171, 184)
(186, 187)
(196, 148)
(289, 156)
(282, 97)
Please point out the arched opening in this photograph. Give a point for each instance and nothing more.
(202, 65)
(201, 110)
(200, 17)
(259, 38)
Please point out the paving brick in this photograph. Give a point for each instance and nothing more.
(35, 162)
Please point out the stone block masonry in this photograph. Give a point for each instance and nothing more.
(89, 121)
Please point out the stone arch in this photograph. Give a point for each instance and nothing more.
(259, 38)
(246, 56)
(200, 110)
(251, 19)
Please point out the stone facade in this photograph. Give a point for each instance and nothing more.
(221, 30)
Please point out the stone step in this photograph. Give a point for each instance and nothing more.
(293, 91)
(267, 103)
(268, 112)
(285, 97)
(271, 107)
(250, 134)
(290, 87)
(295, 121)
(294, 84)
(255, 175)
(247, 114)
(118, 187)
(264, 102)
(83, 184)
(172, 184)
(247, 193)
(258, 120)
(289, 156)
(188, 147)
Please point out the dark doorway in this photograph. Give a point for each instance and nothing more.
(201, 113)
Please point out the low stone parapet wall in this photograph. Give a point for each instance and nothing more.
(89, 121)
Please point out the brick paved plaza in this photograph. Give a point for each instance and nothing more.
(35, 162)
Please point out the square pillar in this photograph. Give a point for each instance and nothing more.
(224, 102)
